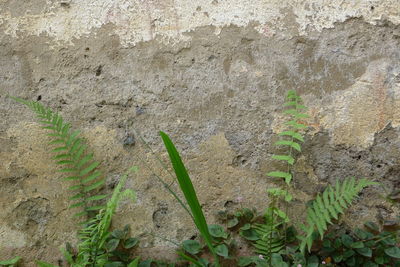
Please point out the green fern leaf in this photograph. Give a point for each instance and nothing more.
(293, 134)
(296, 125)
(279, 174)
(91, 177)
(332, 203)
(88, 169)
(76, 205)
(289, 159)
(93, 186)
(97, 197)
(84, 160)
(289, 143)
(60, 149)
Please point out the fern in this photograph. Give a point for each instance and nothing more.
(271, 240)
(92, 248)
(328, 206)
(292, 139)
(72, 156)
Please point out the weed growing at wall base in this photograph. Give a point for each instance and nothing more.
(277, 243)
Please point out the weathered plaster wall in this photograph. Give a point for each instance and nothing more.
(212, 74)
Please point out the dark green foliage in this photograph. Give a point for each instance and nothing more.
(71, 155)
(328, 206)
(361, 248)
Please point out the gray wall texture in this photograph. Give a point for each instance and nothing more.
(212, 74)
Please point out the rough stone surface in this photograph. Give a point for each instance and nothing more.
(213, 75)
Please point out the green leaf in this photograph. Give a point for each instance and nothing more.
(95, 198)
(59, 149)
(188, 191)
(93, 186)
(296, 125)
(112, 244)
(289, 143)
(393, 252)
(250, 234)
(84, 160)
(89, 168)
(279, 174)
(118, 234)
(366, 252)
(92, 208)
(347, 240)
(12, 261)
(191, 246)
(91, 177)
(217, 231)
(134, 263)
(358, 244)
(232, 222)
(293, 134)
(222, 250)
(131, 242)
(45, 264)
(289, 159)
(79, 204)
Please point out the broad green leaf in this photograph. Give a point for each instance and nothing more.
(131, 242)
(222, 250)
(365, 251)
(112, 244)
(393, 252)
(191, 246)
(232, 222)
(217, 231)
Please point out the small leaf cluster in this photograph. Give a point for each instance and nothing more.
(362, 247)
(221, 242)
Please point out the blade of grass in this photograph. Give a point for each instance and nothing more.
(190, 194)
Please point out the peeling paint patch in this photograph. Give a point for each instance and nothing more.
(138, 20)
(356, 114)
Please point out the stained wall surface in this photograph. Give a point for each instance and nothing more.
(213, 75)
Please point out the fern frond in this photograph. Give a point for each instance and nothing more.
(330, 205)
(71, 154)
(95, 233)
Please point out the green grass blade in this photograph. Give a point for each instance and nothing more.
(188, 191)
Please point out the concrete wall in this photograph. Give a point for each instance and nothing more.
(212, 74)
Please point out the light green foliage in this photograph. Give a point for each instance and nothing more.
(71, 155)
(10, 263)
(292, 139)
(333, 202)
(93, 249)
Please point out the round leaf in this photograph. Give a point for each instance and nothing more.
(250, 234)
(131, 242)
(393, 252)
(217, 231)
(191, 246)
(367, 252)
(112, 244)
(358, 244)
(347, 240)
(118, 234)
(222, 250)
(233, 222)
